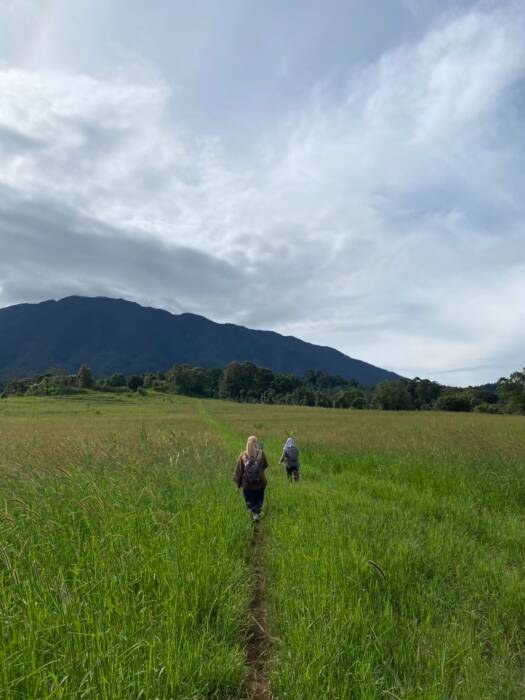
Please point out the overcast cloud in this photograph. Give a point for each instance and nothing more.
(349, 175)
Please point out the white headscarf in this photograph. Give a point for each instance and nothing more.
(289, 443)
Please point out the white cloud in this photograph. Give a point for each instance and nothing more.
(387, 222)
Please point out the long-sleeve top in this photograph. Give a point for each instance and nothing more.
(241, 467)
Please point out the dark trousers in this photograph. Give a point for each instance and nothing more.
(254, 500)
(292, 473)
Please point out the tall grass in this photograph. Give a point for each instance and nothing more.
(394, 569)
(122, 569)
(442, 614)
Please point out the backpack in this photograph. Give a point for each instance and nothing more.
(253, 472)
(292, 456)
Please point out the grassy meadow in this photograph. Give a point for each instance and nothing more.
(394, 569)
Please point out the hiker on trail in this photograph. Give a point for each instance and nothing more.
(290, 458)
(250, 477)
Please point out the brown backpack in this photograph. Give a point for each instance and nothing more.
(253, 477)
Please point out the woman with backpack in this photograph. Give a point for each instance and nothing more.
(250, 477)
(290, 458)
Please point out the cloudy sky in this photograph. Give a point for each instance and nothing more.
(349, 172)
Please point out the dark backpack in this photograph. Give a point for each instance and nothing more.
(292, 456)
(253, 472)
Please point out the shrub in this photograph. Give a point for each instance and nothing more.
(454, 401)
(135, 382)
(487, 408)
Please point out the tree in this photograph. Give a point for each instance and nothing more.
(116, 380)
(323, 400)
(135, 382)
(195, 381)
(512, 390)
(485, 395)
(263, 380)
(285, 383)
(454, 401)
(423, 391)
(268, 396)
(321, 380)
(359, 402)
(302, 396)
(213, 377)
(149, 378)
(237, 380)
(393, 395)
(85, 377)
(349, 398)
(311, 376)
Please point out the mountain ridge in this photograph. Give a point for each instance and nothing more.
(116, 335)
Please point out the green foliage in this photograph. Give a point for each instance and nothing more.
(135, 382)
(393, 396)
(262, 381)
(423, 392)
(321, 380)
(302, 396)
(323, 401)
(359, 402)
(488, 408)
(195, 381)
(512, 391)
(245, 382)
(454, 401)
(436, 502)
(85, 377)
(149, 378)
(116, 380)
(350, 398)
(237, 380)
(122, 567)
(284, 384)
(124, 557)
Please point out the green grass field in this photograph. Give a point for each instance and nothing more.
(125, 555)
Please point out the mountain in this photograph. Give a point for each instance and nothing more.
(114, 335)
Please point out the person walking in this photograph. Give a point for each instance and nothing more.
(250, 477)
(290, 458)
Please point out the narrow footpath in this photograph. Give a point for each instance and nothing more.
(258, 641)
(257, 638)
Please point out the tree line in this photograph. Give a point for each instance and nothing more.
(246, 382)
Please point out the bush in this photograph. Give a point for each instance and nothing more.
(135, 382)
(454, 401)
(323, 400)
(116, 380)
(359, 403)
(487, 408)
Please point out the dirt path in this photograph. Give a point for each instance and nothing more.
(257, 685)
(258, 640)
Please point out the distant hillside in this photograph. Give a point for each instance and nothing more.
(114, 335)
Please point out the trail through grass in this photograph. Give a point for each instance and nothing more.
(258, 647)
(126, 569)
(446, 527)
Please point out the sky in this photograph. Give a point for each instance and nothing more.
(347, 172)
